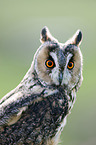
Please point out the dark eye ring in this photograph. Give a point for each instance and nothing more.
(70, 65)
(49, 63)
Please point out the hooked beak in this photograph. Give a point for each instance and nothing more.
(60, 78)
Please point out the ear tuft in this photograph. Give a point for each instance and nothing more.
(79, 37)
(76, 39)
(46, 35)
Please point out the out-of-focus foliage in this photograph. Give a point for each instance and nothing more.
(20, 25)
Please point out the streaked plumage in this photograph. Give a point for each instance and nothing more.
(35, 111)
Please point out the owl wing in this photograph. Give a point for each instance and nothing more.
(12, 107)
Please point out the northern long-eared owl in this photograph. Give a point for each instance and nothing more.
(35, 111)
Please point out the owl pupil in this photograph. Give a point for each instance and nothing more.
(49, 63)
(70, 64)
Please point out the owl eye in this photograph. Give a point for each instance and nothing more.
(49, 63)
(70, 65)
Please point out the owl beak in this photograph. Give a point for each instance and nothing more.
(60, 78)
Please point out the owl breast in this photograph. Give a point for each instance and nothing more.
(41, 122)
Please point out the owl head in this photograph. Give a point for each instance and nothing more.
(59, 64)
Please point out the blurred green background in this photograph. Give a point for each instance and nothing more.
(20, 25)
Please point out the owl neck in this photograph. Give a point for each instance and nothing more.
(48, 90)
(71, 96)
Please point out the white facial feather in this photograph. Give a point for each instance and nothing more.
(55, 71)
(67, 75)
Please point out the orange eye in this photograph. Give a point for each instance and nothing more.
(49, 63)
(70, 65)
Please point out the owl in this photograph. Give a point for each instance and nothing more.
(35, 111)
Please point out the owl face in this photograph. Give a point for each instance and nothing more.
(59, 64)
